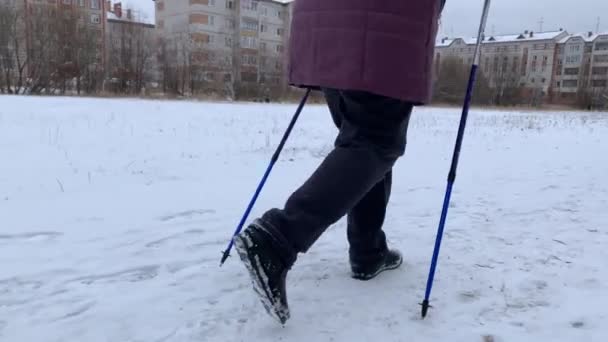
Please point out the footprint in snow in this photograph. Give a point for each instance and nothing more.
(577, 324)
(136, 274)
(186, 214)
(31, 236)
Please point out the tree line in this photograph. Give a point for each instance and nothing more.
(500, 84)
(48, 49)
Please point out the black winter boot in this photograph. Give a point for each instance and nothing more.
(390, 260)
(267, 258)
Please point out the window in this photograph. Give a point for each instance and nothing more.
(533, 80)
(94, 4)
(263, 46)
(250, 5)
(248, 42)
(600, 59)
(249, 25)
(81, 3)
(230, 4)
(570, 84)
(279, 48)
(571, 71)
(599, 71)
(264, 10)
(573, 59)
(211, 3)
(230, 23)
(558, 84)
(279, 32)
(249, 77)
(543, 80)
(249, 60)
(211, 20)
(228, 41)
(95, 19)
(263, 28)
(227, 77)
(601, 46)
(599, 83)
(277, 65)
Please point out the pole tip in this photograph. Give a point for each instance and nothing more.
(425, 307)
(225, 256)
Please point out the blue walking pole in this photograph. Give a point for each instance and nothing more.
(452, 175)
(274, 159)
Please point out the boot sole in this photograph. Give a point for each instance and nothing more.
(243, 244)
(368, 276)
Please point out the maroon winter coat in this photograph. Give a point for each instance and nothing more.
(381, 46)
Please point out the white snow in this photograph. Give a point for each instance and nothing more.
(114, 213)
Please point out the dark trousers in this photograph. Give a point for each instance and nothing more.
(354, 179)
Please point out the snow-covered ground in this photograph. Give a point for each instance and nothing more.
(114, 213)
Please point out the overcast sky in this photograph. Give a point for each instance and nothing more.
(461, 17)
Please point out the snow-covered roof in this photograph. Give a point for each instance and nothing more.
(138, 19)
(529, 36)
(586, 36)
(144, 10)
(505, 38)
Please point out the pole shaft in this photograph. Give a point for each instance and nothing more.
(455, 158)
(258, 190)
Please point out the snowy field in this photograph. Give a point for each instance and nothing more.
(114, 213)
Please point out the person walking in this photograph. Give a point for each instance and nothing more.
(373, 62)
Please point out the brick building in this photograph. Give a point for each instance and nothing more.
(237, 46)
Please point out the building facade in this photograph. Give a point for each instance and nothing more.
(554, 66)
(582, 68)
(526, 59)
(236, 46)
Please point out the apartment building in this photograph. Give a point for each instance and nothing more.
(526, 60)
(130, 50)
(582, 64)
(234, 44)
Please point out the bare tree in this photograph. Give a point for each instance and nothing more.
(450, 85)
(505, 80)
(42, 48)
(7, 34)
(13, 57)
(130, 50)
